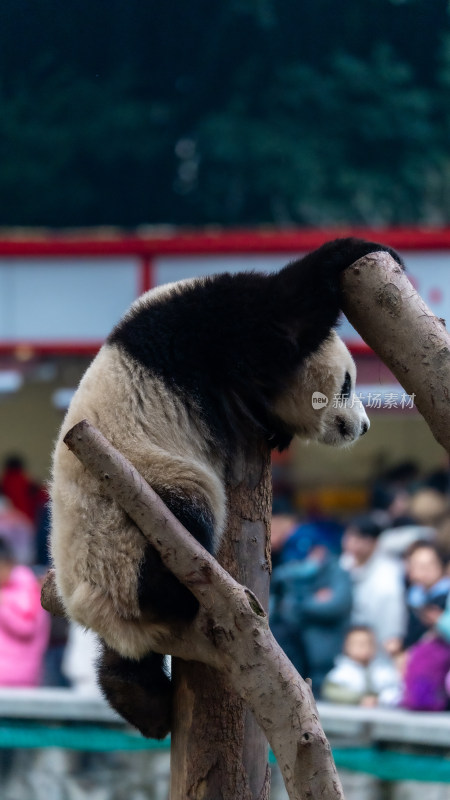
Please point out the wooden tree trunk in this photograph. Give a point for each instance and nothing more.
(218, 751)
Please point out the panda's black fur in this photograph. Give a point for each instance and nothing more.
(231, 343)
(188, 369)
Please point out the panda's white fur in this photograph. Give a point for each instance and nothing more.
(191, 366)
(96, 549)
(340, 421)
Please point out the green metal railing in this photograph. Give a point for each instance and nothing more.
(386, 765)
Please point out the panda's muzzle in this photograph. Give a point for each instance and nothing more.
(344, 430)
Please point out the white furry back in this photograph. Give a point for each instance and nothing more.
(96, 549)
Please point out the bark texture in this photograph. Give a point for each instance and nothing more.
(230, 633)
(393, 319)
(218, 752)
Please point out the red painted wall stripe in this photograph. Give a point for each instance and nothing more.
(221, 242)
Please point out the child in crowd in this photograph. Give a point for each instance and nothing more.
(360, 677)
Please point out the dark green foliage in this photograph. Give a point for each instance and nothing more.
(246, 112)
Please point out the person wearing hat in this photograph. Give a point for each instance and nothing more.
(310, 608)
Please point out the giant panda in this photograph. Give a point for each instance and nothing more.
(191, 368)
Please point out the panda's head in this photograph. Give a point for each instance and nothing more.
(320, 403)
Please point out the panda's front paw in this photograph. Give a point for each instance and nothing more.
(376, 247)
(341, 253)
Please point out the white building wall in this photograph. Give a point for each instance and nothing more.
(64, 300)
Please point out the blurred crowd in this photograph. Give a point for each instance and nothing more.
(363, 607)
(360, 606)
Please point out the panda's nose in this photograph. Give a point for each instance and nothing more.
(364, 428)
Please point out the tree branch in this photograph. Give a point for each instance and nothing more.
(383, 306)
(230, 631)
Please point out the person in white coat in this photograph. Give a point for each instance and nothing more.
(378, 586)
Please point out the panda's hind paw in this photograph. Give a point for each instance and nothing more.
(140, 691)
(151, 715)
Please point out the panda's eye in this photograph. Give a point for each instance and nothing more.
(346, 386)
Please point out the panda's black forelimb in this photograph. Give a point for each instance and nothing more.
(310, 286)
(140, 691)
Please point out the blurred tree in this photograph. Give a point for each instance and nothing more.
(135, 111)
(350, 143)
(74, 152)
(437, 190)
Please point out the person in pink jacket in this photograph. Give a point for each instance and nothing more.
(24, 625)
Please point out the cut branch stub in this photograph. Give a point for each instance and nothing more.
(50, 599)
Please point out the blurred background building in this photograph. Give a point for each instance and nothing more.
(61, 295)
